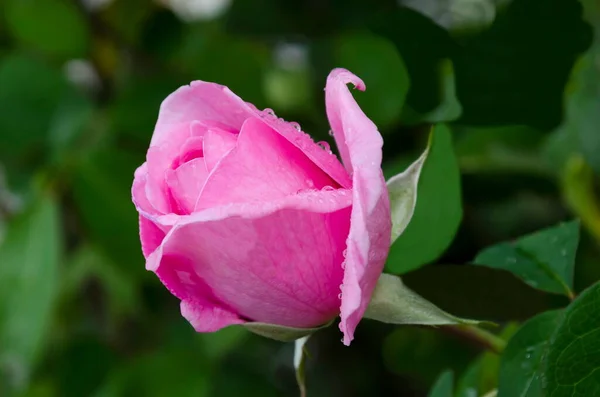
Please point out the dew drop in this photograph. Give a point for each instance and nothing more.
(269, 112)
(296, 126)
(345, 252)
(328, 188)
(340, 295)
(325, 146)
(330, 132)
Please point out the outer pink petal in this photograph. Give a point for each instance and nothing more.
(151, 236)
(360, 146)
(138, 191)
(263, 166)
(198, 302)
(215, 104)
(217, 143)
(277, 262)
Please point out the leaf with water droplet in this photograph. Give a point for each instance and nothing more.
(522, 360)
(544, 260)
(573, 358)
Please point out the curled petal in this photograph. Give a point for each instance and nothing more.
(360, 146)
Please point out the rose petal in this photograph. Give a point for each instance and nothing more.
(276, 262)
(360, 145)
(185, 184)
(151, 236)
(190, 150)
(138, 191)
(198, 303)
(215, 104)
(217, 143)
(263, 166)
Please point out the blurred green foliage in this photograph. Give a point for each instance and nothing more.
(516, 82)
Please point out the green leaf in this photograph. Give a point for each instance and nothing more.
(521, 362)
(443, 386)
(280, 332)
(53, 26)
(573, 358)
(438, 211)
(394, 303)
(377, 62)
(544, 259)
(29, 278)
(402, 189)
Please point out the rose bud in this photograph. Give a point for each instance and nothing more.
(246, 220)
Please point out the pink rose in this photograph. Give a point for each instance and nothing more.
(245, 219)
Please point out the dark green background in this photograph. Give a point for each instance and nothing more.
(517, 82)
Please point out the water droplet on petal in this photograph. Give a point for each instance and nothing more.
(328, 188)
(324, 145)
(269, 112)
(330, 132)
(296, 126)
(340, 295)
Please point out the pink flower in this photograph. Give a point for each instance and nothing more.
(244, 218)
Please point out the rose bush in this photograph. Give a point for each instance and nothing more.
(245, 219)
